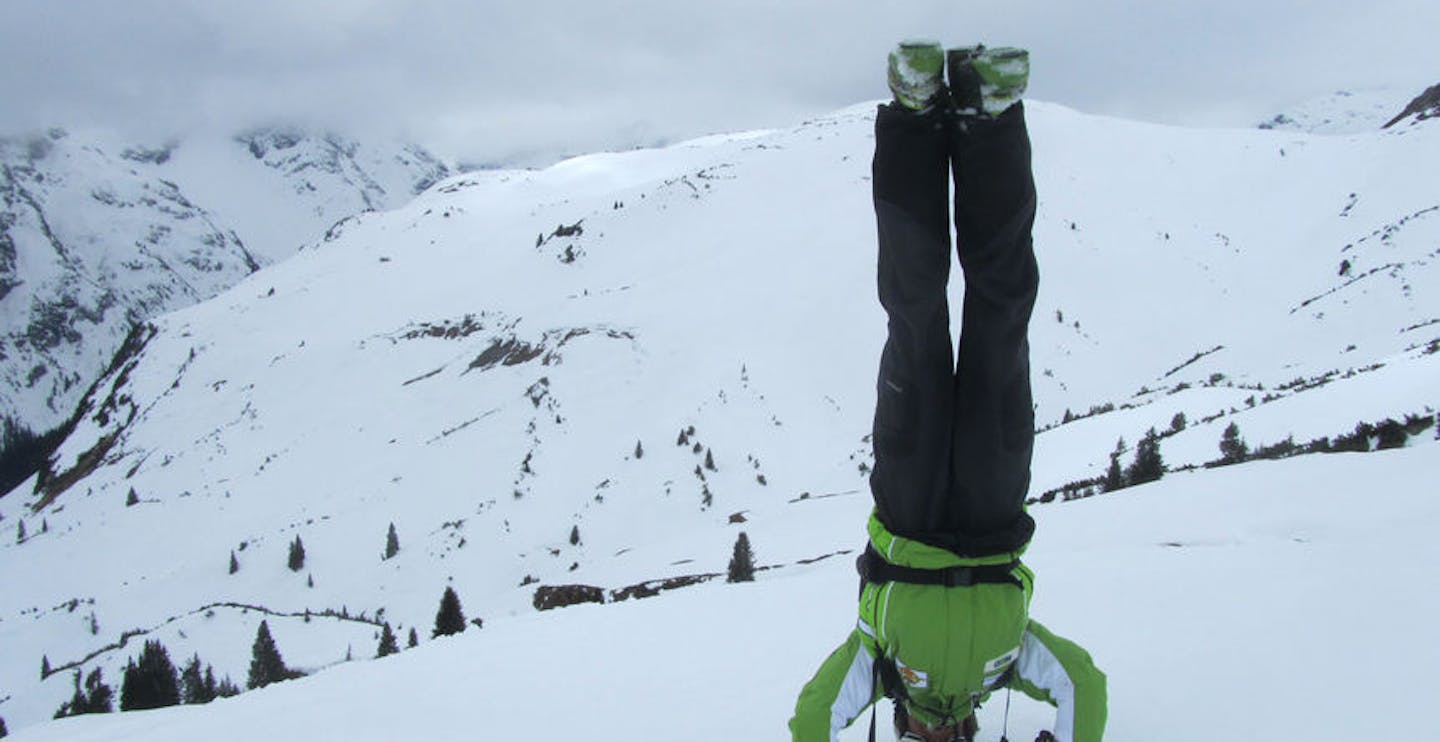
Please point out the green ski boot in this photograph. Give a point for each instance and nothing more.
(987, 81)
(916, 70)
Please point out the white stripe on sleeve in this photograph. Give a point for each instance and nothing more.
(1041, 668)
(855, 693)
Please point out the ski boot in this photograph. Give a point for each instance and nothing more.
(915, 74)
(985, 82)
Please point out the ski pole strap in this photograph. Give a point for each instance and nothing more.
(886, 676)
(874, 569)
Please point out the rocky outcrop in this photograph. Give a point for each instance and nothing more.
(1425, 106)
(548, 597)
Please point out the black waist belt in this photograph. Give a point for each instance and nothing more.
(874, 569)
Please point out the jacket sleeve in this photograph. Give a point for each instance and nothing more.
(1057, 671)
(841, 690)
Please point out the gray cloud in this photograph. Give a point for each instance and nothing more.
(490, 81)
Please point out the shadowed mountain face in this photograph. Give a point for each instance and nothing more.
(89, 247)
(96, 238)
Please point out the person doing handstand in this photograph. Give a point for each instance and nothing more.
(944, 603)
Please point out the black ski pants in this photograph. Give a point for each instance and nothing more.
(953, 442)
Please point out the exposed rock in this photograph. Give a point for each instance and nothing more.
(1425, 105)
(559, 596)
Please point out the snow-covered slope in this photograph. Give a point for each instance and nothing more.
(1254, 589)
(514, 355)
(90, 245)
(97, 236)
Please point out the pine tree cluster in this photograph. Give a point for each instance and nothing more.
(1366, 437)
(94, 698)
(197, 687)
(150, 682)
(1147, 466)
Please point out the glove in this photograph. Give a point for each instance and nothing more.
(1044, 736)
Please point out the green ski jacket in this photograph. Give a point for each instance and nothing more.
(952, 647)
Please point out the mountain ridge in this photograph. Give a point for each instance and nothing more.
(97, 236)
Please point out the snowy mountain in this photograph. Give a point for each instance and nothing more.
(592, 374)
(1341, 112)
(1356, 112)
(97, 236)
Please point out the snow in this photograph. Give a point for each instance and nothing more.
(106, 234)
(477, 367)
(1343, 111)
(1224, 604)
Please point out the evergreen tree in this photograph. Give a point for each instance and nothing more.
(388, 645)
(3, 731)
(392, 543)
(710, 460)
(1390, 434)
(210, 689)
(234, 563)
(95, 698)
(132, 498)
(1114, 478)
(1232, 447)
(742, 561)
(414, 640)
(44, 666)
(20, 532)
(1178, 422)
(450, 619)
(98, 694)
(226, 689)
(266, 665)
(1148, 465)
(192, 682)
(151, 682)
(575, 535)
(297, 555)
(639, 450)
(197, 687)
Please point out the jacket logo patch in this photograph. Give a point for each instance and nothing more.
(912, 677)
(1004, 660)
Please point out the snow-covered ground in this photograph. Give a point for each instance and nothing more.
(515, 355)
(1253, 602)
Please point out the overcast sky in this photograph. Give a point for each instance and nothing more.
(489, 82)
